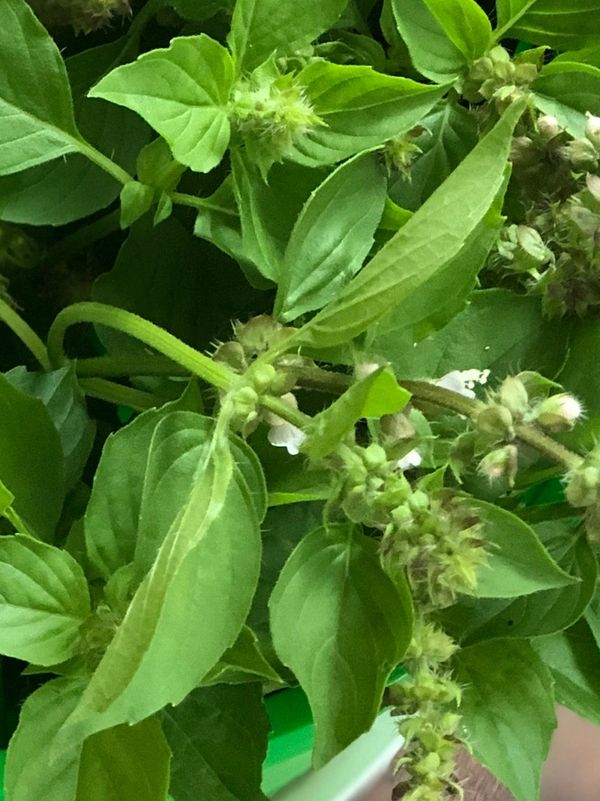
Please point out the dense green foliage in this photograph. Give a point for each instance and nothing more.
(332, 401)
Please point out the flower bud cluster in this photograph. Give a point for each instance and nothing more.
(584, 153)
(428, 699)
(582, 490)
(400, 153)
(269, 110)
(521, 249)
(524, 398)
(583, 481)
(496, 77)
(241, 354)
(84, 16)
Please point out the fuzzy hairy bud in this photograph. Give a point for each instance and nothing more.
(500, 463)
(558, 412)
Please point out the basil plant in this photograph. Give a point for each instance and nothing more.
(300, 386)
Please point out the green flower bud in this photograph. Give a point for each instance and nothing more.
(592, 129)
(523, 152)
(263, 377)
(583, 485)
(558, 412)
(581, 154)
(396, 427)
(514, 396)
(500, 463)
(495, 421)
(257, 334)
(232, 354)
(375, 457)
(593, 186)
(548, 126)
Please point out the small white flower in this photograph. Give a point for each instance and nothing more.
(411, 459)
(570, 408)
(463, 381)
(283, 434)
(286, 436)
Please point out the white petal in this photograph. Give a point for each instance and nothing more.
(286, 436)
(411, 459)
(463, 381)
(455, 382)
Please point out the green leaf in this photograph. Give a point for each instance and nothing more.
(31, 459)
(182, 92)
(31, 772)
(550, 22)
(451, 133)
(156, 166)
(268, 211)
(574, 662)
(373, 396)
(518, 562)
(568, 90)
(497, 330)
(205, 570)
(144, 476)
(438, 300)
(6, 498)
(538, 613)
(112, 516)
(443, 37)
(126, 763)
(65, 403)
(592, 616)
(218, 736)
(508, 711)
(331, 237)
(119, 764)
(71, 187)
(589, 55)
(430, 239)
(360, 109)
(331, 595)
(243, 662)
(44, 599)
(136, 200)
(282, 530)
(261, 27)
(36, 111)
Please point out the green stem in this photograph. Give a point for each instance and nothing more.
(549, 447)
(118, 394)
(439, 396)
(285, 411)
(86, 235)
(152, 335)
(323, 381)
(124, 366)
(25, 333)
(102, 161)
(200, 203)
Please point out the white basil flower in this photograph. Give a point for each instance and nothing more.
(411, 459)
(463, 381)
